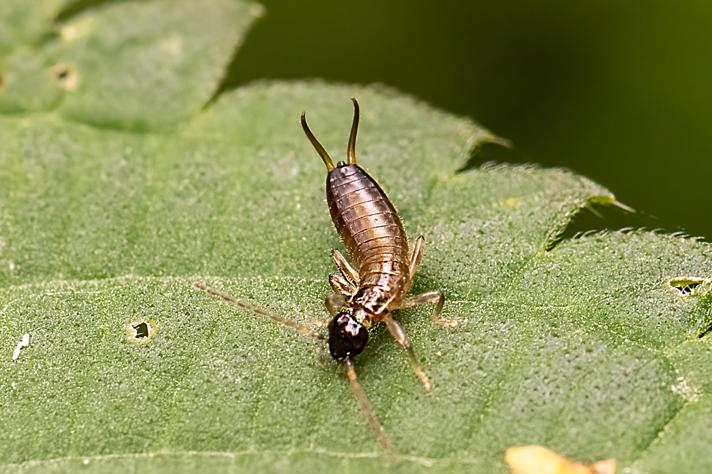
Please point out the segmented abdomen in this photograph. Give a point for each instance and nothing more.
(370, 228)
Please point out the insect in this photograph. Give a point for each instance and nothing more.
(368, 293)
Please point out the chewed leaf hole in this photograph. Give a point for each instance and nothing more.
(66, 75)
(140, 331)
(686, 286)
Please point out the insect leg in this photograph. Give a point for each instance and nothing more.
(416, 255)
(305, 329)
(363, 402)
(345, 268)
(435, 297)
(341, 285)
(399, 335)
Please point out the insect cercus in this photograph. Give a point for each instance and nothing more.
(367, 293)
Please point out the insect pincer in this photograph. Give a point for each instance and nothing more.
(347, 336)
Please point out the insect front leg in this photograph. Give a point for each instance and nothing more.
(438, 299)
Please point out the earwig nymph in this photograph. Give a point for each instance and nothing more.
(366, 294)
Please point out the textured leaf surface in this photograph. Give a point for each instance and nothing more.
(134, 65)
(582, 345)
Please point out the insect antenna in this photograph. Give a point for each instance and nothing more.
(367, 410)
(319, 148)
(351, 149)
(301, 329)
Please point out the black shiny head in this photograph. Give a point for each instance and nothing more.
(347, 337)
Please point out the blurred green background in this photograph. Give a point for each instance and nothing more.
(616, 90)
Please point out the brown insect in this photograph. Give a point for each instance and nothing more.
(385, 266)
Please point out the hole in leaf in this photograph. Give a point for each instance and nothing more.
(140, 331)
(66, 75)
(686, 286)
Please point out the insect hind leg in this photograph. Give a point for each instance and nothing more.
(341, 285)
(349, 273)
(416, 256)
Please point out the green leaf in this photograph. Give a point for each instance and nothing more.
(27, 22)
(590, 346)
(133, 65)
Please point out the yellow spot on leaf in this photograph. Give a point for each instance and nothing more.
(511, 202)
(172, 45)
(77, 29)
(540, 460)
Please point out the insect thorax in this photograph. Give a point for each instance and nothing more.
(370, 305)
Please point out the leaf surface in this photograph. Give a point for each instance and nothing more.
(107, 218)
